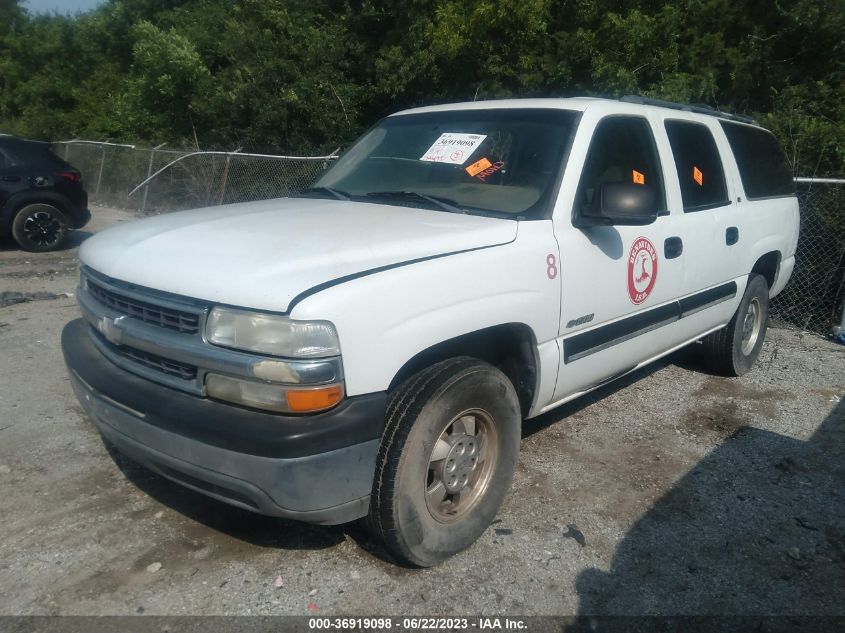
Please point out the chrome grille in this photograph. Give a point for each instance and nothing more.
(172, 319)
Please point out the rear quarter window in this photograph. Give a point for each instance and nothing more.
(38, 155)
(763, 168)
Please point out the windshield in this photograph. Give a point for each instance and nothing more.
(504, 161)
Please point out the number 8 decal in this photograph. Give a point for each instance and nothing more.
(551, 263)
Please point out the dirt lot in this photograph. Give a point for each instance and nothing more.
(671, 492)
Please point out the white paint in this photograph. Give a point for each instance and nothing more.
(261, 255)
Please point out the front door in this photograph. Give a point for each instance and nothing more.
(620, 283)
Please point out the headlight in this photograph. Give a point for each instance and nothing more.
(271, 334)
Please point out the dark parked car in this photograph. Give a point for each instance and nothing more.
(41, 196)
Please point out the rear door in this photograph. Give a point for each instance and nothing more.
(708, 215)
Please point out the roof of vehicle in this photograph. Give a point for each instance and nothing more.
(634, 102)
(10, 140)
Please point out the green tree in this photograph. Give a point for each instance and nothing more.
(166, 77)
(298, 76)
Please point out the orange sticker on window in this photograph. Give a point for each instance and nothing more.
(478, 166)
(639, 179)
(697, 176)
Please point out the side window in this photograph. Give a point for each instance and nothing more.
(7, 159)
(763, 168)
(622, 150)
(699, 166)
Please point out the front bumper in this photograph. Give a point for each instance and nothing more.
(316, 468)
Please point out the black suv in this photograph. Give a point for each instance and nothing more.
(41, 196)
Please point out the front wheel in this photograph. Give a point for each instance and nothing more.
(446, 461)
(39, 227)
(732, 350)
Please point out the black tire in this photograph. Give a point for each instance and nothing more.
(39, 227)
(433, 404)
(730, 351)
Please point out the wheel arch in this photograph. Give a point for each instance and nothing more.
(768, 265)
(511, 347)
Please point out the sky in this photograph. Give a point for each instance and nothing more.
(62, 6)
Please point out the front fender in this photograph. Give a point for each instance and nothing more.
(385, 319)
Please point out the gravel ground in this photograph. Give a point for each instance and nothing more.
(669, 492)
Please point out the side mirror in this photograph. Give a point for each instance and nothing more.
(622, 203)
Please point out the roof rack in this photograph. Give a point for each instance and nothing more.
(699, 108)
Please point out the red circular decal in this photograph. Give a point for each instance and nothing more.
(642, 270)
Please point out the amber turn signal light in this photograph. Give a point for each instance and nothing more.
(315, 399)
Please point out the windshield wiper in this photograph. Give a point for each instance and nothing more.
(444, 203)
(337, 193)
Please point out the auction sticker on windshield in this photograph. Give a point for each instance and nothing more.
(453, 147)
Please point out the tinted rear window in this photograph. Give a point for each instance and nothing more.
(762, 165)
(30, 153)
(37, 153)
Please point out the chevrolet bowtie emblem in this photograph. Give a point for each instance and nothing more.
(110, 329)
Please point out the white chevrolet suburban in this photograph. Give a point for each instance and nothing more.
(370, 347)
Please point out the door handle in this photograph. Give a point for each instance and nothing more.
(731, 235)
(673, 247)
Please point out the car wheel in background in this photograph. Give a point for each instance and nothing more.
(39, 227)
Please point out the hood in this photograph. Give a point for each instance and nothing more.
(263, 254)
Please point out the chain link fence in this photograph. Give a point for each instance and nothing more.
(158, 180)
(813, 299)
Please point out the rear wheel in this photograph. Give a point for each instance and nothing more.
(39, 227)
(447, 459)
(732, 350)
